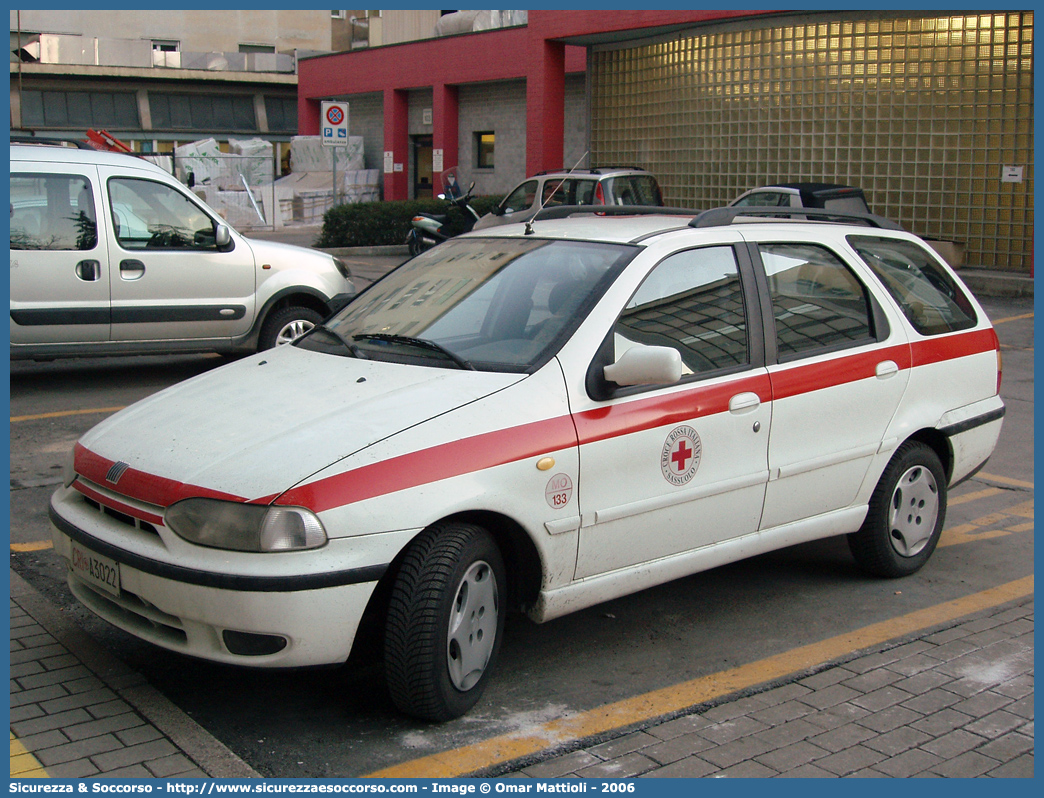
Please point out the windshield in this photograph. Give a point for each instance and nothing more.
(493, 304)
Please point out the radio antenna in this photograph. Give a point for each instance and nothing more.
(544, 200)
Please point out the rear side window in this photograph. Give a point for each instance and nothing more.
(52, 212)
(635, 190)
(932, 301)
(818, 304)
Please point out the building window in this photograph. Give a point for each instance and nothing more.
(282, 114)
(484, 150)
(80, 109)
(257, 48)
(166, 46)
(202, 112)
(336, 15)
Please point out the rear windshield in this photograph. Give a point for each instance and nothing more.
(929, 297)
(493, 304)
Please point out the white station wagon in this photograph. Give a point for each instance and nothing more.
(538, 418)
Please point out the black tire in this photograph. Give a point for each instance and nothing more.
(900, 533)
(448, 591)
(286, 324)
(413, 243)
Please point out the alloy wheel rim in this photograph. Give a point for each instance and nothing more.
(293, 331)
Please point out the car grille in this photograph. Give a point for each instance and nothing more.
(119, 508)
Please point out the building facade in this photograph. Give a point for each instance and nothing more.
(930, 113)
(183, 76)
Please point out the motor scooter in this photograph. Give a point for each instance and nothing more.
(429, 229)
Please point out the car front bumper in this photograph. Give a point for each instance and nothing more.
(261, 621)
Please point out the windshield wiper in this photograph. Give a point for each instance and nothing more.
(351, 347)
(422, 343)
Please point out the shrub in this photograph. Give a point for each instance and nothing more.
(371, 224)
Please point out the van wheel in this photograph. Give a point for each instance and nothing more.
(445, 621)
(906, 515)
(285, 325)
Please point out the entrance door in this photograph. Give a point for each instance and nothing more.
(423, 177)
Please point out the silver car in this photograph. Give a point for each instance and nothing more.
(607, 185)
(112, 255)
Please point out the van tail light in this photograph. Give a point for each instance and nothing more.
(599, 195)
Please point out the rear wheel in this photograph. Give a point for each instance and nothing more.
(445, 621)
(285, 325)
(906, 514)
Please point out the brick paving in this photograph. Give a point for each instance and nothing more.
(955, 703)
(77, 712)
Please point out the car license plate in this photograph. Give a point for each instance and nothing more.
(96, 570)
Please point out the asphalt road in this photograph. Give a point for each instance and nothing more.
(339, 722)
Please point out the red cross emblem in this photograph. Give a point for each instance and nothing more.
(681, 454)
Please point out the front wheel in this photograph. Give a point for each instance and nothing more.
(445, 621)
(285, 325)
(906, 514)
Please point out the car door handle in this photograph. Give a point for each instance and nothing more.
(131, 269)
(744, 403)
(886, 369)
(88, 270)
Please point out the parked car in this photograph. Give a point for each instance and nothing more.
(538, 417)
(112, 255)
(608, 185)
(830, 196)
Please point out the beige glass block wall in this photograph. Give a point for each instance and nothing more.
(932, 116)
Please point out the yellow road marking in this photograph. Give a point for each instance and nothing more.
(63, 413)
(36, 545)
(970, 497)
(507, 747)
(23, 764)
(1018, 483)
(1013, 318)
(978, 529)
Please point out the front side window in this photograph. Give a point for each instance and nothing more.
(521, 198)
(489, 304)
(927, 295)
(817, 302)
(52, 212)
(693, 302)
(151, 215)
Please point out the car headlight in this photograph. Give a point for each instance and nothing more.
(245, 527)
(342, 267)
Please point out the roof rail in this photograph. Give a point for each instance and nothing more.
(720, 217)
(49, 141)
(564, 211)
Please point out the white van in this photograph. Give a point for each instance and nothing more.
(112, 255)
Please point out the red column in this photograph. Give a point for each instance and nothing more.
(397, 141)
(446, 129)
(545, 106)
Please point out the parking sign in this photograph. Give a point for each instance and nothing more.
(333, 123)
